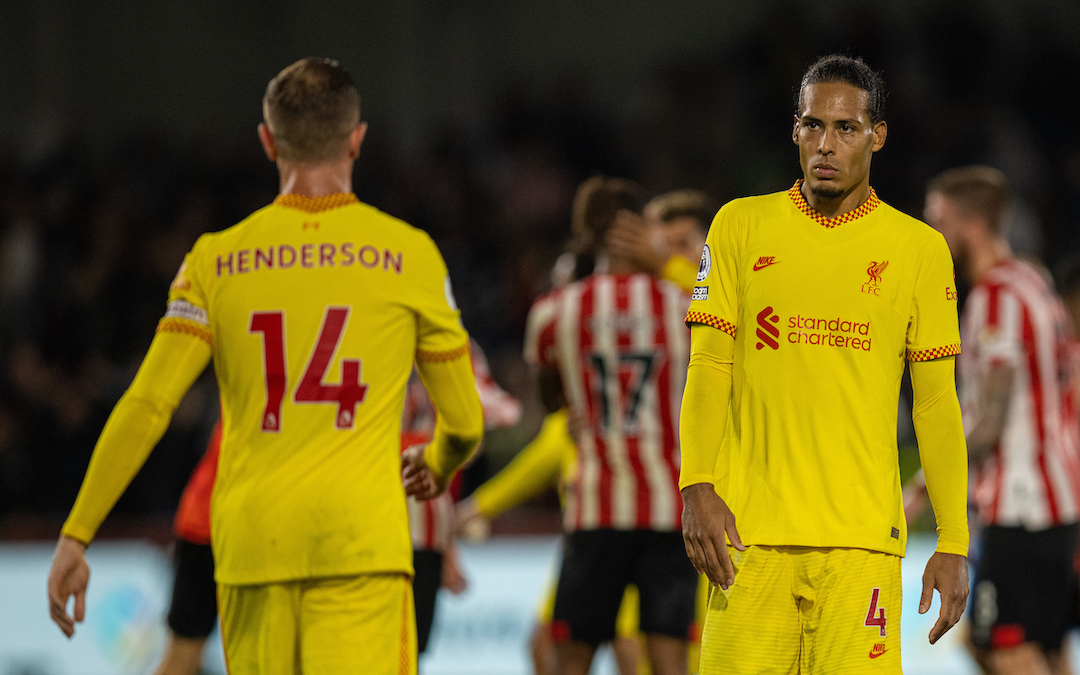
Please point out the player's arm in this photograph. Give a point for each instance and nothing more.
(940, 432)
(536, 467)
(445, 366)
(995, 393)
(460, 420)
(136, 424)
(702, 424)
(550, 385)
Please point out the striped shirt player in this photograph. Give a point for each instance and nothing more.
(619, 347)
(1027, 490)
(1020, 420)
(1014, 318)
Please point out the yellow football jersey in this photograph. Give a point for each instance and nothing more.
(315, 310)
(824, 313)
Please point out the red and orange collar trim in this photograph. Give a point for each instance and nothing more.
(316, 204)
(796, 195)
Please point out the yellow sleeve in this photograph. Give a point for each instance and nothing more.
(706, 401)
(681, 272)
(537, 466)
(933, 329)
(460, 421)
(715, 301)
(136, 424)
(440, 335)
(942, 449)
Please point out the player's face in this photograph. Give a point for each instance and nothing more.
(836, 138)
(942, 214)
(684, 237)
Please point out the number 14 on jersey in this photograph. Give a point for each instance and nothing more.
(311, 388)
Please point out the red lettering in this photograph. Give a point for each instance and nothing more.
(347, 253)
(875, 616)
(282, 250)
(389, 259)
(307, 252)
(264, 257)
(243, 261)
(364, 254)
(347, 394)
(228, 263)
(271, 325)
(326, 255)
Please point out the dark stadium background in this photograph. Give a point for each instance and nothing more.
(127, 128)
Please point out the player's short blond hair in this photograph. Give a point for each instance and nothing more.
(311, 107)
(683, 204)
(981, 191)
(596, 203)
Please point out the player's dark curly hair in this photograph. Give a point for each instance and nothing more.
(311, 107)
(840, 68)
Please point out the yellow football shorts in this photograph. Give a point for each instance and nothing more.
(805, 610)
(361, 624)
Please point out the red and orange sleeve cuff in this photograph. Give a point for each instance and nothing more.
(431, 356)
(709, 320)
(935, 353)
(187, 327)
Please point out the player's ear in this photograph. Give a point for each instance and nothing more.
(881, 130)
(356, 137)
(266, 137)
(795, 130)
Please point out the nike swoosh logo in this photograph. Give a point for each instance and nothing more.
(759, 266)
(874, 656)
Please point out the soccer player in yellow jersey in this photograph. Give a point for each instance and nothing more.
(313, 310)
(809, 303)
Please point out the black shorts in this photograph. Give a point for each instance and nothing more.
(1025, 587)
(598, 565)
(426, 583)
(193, 611)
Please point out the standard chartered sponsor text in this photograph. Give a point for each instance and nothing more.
(829, 332)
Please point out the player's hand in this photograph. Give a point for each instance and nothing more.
(577, 425)
(470, 523)
(706, 519)
(628, 237)
(948, 573)
(453, 576)
(69, 575)
(417, 477)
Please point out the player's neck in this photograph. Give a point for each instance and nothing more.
(986, 256)
(616, 265)
(848, 201)
(315, 180)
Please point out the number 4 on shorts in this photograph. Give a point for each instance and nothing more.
(875, 621)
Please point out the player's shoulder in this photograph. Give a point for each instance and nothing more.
(909, 232)
(754, 206)
(393, 225)
(1019, 275)
(545, 304)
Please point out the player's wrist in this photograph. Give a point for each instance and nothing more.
(693, 485)
(77, 535)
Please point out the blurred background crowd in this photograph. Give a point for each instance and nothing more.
(127, 130)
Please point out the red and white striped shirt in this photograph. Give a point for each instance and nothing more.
(621, 349)
(1014, 318)
(431, 523)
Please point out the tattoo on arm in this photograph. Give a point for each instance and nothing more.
(995, 396)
